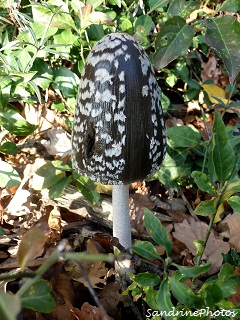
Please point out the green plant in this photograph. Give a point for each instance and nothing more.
(167, 296)
(219, 180)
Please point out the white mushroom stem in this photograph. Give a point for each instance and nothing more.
(121, 224)
(121, 218)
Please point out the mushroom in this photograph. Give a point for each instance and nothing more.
(118, 131)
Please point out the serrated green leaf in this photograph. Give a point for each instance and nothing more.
(173, 40)
(163, 298)
(147, 279)
(194, 272)
(157, 231)
(182, 8)
(185, 295)
(206, 208)
(183, 136)
(222, 153)
(234, 202)
(11, 120)
(145, 249)
(230, 5)
(39, 297)
(223, 34)
(10, 306)
(203, 182)
(8, 175)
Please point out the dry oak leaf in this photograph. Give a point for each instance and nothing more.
(189, 231)
(233, 223)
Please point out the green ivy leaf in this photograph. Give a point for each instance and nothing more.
(157, 231)
(182, 8)
(234, 202)
(203, 182)
(10, 306)
(222, 152)
(145, 249)
(206, 208)
(173, 40)
(183, 136)
(185, 295)
(223, 34)
(39, 297)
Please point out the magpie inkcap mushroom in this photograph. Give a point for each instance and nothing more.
(118, 131)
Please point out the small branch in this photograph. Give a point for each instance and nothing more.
(190, 209)
(91, 290)
(52, 259)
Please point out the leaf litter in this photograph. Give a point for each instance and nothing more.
(35, 224)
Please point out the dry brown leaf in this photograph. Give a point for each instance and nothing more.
(96, 271)
(89, 312)
(110, 297)
(188, 231)
(64, 291)
(210, 70)
(233, 224)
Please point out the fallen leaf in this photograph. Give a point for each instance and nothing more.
(64, 292)
(96, 271)
(32, 244)
(215, 91)
(233, 223)
(89, 312)
(210, 70)
(189, 231)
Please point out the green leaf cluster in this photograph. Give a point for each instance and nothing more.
(166, 293)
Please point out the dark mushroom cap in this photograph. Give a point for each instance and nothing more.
(118, 131)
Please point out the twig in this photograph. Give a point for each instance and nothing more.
(190, 209)
(91, 290)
